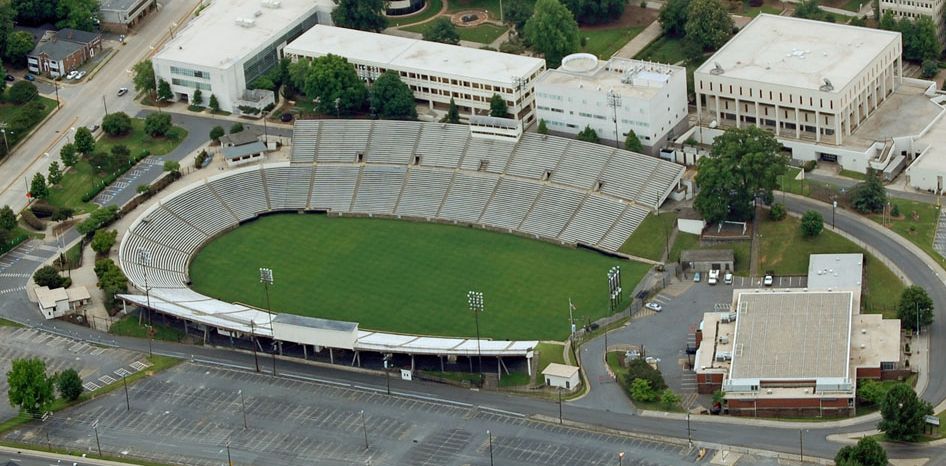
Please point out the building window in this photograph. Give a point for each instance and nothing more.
(191, 84)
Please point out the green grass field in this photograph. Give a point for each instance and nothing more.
(650, 238)
(409, 277)
(604, 42)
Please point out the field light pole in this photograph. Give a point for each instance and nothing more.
(614, 101)
(144, 257)
(475, 298)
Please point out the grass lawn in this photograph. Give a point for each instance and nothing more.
(650, 238)
(128, 326)
(484, 33)
(8, 111)
(752, 12)
(408, 277)
(741, 250)
(75, 182)
(664, 50)
(72, 256)
(785, 250)
(604, 42)
(138, 140)
(549, 353)
(853, 174)
(433, 7)
(921, 230)
(488, 5)
(853, 5)
(614, 362)
(8, 323)
(514, 379)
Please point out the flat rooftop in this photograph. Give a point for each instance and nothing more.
(402, 53)
(934, 159)
(835, 271)
(214, 38)
(906, 112)
(800, 53)
(626, 77)
(874, 340)
(791, 335)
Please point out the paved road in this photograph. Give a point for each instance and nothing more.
(83, 103)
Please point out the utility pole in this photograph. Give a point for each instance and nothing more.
(105, 104)
(801, 446)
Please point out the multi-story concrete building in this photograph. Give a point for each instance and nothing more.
(231, 43)
(121, 15)
(613, 98)
(435, 72)
(914, 9)
(781, 73)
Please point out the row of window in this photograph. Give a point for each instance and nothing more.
(551, 109)
(190, 73)
(455, 95)
(191, 84)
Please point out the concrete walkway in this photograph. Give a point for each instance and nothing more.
(640, 41)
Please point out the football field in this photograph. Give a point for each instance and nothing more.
(409, 277)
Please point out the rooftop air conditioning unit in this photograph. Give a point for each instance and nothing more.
(272, 4)
(245, 22)
(724, 339)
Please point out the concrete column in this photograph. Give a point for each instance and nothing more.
(738, 115)
(331, 356)
(758, 118)
(778, 122)
(797, 123)
(699, 109)
(817, 126)
(718, 119)
(837, 130)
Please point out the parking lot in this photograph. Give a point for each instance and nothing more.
(97, 366)
(189, 414)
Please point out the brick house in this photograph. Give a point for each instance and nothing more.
(60, 52)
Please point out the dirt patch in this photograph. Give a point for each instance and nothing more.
(634, 16)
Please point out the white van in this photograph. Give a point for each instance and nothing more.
(713, 277)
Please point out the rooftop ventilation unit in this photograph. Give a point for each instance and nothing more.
(274, 4)
(827, 86)
(245, 22)
(717, 69)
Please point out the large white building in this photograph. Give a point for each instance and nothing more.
(842, 100)
(435, 72)
(613, 98)
(231, 43)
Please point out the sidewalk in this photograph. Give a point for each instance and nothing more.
(640, 41)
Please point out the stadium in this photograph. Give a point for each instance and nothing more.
(404, 218)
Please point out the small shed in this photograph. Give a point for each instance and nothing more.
(562, 376)
(246, 153)
(58, 302)
(704, 260)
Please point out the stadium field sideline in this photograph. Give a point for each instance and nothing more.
(409, 277)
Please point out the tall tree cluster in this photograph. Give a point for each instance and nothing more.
(552, 30)
(366, 15)
(596, 11)
(920, 41)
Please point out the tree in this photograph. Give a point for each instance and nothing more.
(216, 133)
(811, 224)
(30, 388)
(869, 196)
(69, 384)
(7, 218)
(19, 44)
(518, 12)
(745, 163)
(84, 141)
(236, 128)
(442, 30)
(915, 307)
(392, 99)
(867, 452)
(673, 17)
(888, 22)
(38, 188)
(588, 135)
(68, 154)
(121, 156)
(639, 369)
(498, 107)
(596, 11)
(103, 241)
(197, 98)
(98, 218)
(158, 124)
(164, 91)
(552, 30)
(333, 83)
(77, 14)
(668, 399)
(632, 142)
(902, 413)
(55, 173)
(871, 392)
(35, 12)
(213, 104)
(48, 276)
(116, 124)
(642, 391)
(172, 166)
(7, 15)
(777, 212)
(543, 128)
(366, 15)
(22, 92)
(143, 77)
(708, 24)
(929, 68)
(808, 9)
(453, 113)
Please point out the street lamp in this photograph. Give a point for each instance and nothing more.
(561, 419)
(95, 427)
(477, 305)
(127, 400)
(689, 438)
(243, 404)
(364, 427)
(834, 206)
(273, 347)
(229, 461)
(621, 459)
(490, 436)
(144, 257)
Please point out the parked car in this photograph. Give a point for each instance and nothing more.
(72, 74)
(286, 117)
(10, 77)
(93, 127)
(768, 279)
(656, 307)
(697, 277)
(29, 77)
(122, 91)
(713, 277)
(727, 279)
(80, 74)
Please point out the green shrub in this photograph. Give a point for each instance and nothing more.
(32, 221)
(809, 165)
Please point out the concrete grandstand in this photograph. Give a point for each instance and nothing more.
(549, 188)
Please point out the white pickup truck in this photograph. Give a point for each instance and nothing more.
(713, 277)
